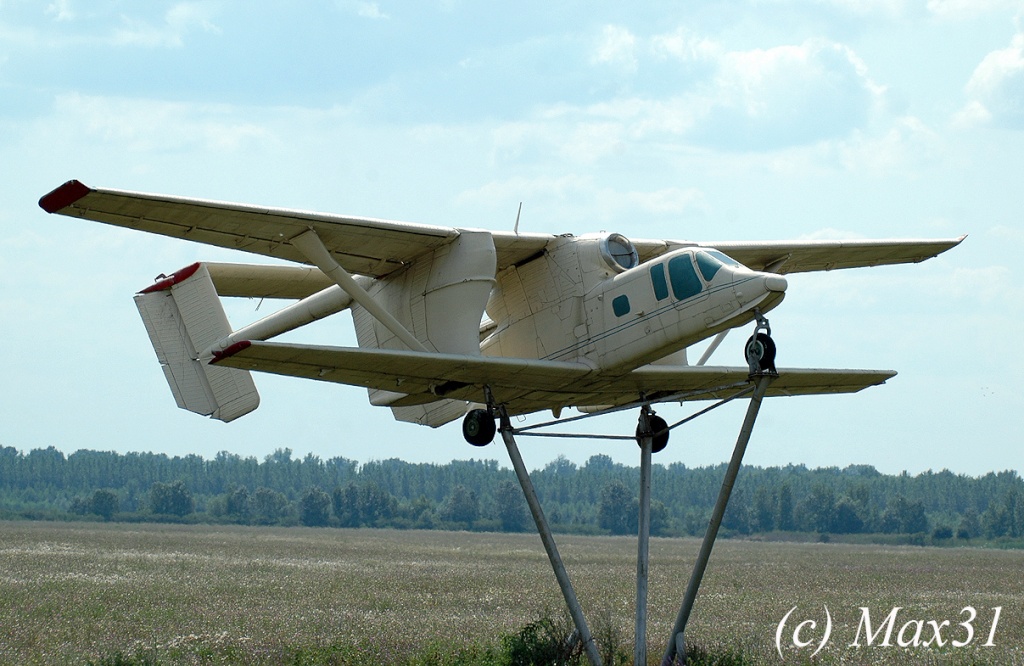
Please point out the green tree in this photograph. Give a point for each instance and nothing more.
(847, 519)
(462, 506)
(172, 499)
(512, 507)
(763, 518)
(615, 512)
(268, 506)
(314, 508)
(346, 504)
(376, 506)
(105, 503)
(784, 521)
(238, 503)
(819, 509)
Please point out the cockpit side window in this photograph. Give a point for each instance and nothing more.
(708, 265)
(685, 283)
(658, 281)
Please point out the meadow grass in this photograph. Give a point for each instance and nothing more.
(80, 593)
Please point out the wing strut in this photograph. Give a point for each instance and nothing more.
(312, 248)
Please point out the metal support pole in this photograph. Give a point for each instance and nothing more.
(646, 441)
(716, 519)
(548, 540)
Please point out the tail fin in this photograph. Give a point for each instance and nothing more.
(183, 316)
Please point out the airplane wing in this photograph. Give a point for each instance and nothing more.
(376, 247)
(814, 255)
(525, 385)
(361, 245)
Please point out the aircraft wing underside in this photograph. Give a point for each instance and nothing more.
(376, 247)
(361, 245)
(524, 385)
(786, 257)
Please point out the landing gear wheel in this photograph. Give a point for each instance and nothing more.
(660, 429)
(760, 352)
(478, 427)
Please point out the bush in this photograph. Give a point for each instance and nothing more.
(544, 642)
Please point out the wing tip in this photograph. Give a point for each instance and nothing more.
(64, 196)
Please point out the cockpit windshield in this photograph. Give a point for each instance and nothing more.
(710, 261)
(724, 258)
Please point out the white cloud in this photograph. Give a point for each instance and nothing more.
(962, 8)
(61, 10)
(608, 204)
(141, 125)
(787, 95)
(755, 100)
(908, 141)
(996, 88)
(363, 9)
(685, 45)
(177, 22)
(617, 46)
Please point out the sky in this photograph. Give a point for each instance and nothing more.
(746, 120)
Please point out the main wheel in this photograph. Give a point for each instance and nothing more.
(760, 350)
(478, 427)
(660, 429)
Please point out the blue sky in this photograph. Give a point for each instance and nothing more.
(766, 119)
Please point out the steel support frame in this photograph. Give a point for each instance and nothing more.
(675, 651)
(573, 604)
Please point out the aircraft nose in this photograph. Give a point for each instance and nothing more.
(775, 283)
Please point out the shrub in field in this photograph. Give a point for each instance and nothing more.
(545, 642)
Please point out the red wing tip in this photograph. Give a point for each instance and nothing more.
(64, 196)
(166, 283)
(230, 351)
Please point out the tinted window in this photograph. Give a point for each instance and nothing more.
(724, 258)
(659, 282)
(708, 265)
(685, 283)
(620, 305)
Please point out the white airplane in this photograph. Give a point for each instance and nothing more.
(451, 322)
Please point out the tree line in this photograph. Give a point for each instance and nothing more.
(598, 497)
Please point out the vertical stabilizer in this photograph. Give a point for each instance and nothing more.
(183, 316)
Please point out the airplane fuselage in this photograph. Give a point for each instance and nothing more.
(581, 301)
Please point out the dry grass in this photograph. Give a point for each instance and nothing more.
(200, 594)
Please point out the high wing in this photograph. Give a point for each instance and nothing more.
(813, 255)
(524, 385)
(378, 247)
(361, 245)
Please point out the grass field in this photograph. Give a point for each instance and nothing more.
(75, 592)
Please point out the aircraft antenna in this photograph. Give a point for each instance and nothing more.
(515, 229)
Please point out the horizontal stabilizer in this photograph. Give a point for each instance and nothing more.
(183, 317)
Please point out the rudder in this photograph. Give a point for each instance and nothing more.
(184, 317)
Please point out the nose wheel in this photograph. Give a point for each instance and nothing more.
(760, 349)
